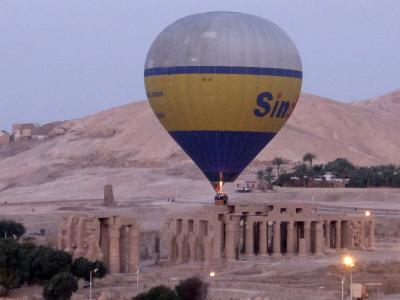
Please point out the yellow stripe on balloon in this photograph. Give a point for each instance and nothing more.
(223, 102)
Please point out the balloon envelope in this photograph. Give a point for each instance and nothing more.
(222, 84)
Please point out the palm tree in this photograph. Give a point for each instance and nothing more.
(309, 156)
(260, 176)
(278, 162)
(340, 167)
(268, 174)
(301, 171)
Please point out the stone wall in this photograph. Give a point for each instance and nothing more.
(113, 240)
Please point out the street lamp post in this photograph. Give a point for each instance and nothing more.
(137, 277)
(91, 282)
(351, 283)
(343, 280)
(349, 262)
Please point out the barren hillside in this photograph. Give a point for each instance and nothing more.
(364, 133)
(388, 104)
(120, 143)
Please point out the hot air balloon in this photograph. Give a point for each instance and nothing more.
(222, 84)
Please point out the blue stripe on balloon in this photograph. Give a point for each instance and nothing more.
(222, 152)
(222, 70)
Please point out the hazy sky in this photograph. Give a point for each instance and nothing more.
(66, 59)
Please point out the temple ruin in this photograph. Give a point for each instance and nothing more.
(111, 239)
(221, 233)
(231, 232)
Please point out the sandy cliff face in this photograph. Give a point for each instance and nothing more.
(130, 137)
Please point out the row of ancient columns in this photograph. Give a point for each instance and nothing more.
(334, 241)
(349, 234)
(189, 241)
(362, 236)
(115, 253)
(109, 239)
(326, 235)
(192, 240)
(302, 243)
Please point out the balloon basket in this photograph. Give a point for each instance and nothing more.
(221, 199)
(220, 202)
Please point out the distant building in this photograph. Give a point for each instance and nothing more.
(329, 176)
(330, 182)
(41, 133)
(22, 131)
(5, 138)
(31, 131)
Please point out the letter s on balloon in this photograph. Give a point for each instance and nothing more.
(263, 105)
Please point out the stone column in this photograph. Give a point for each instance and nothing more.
(327, 234)
(338, 239)
(362, 234)
(318, 238)
(289, 238)
(230, 241)
(351, 234)
(263, 238)
(114, 258)
(181, 238)
(249, 238)
(217, 239)
(348, 235)
(208, 250)
(79, 252)
(238, 234)
(133, 251)
(307, 235)
(302, 247)
(371, 235)
(123, 249)
(192, 239)
(276, 251)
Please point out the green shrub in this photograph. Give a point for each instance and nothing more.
(10, 229)
(192, 288)
(45, 262)
(10, 269)
(160, 292)
(82, 267)
(60, 287)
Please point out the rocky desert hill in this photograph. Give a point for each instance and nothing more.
(127, 145)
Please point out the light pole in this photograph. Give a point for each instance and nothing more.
(343, 280)
(351, 283)
(91, 282)
(349, 262)
(137, 278)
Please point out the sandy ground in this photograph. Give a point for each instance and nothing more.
(144, 194)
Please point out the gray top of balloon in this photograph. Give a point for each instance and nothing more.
(223, 39)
